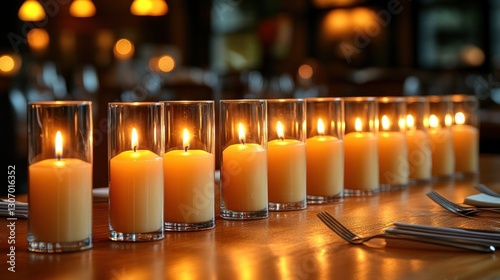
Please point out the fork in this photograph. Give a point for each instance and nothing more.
(457, 208)
(486, 190)
(353, 238)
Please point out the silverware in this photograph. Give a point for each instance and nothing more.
(488, 238)
(486, 190)
(465, 211)
(352, 238)
(14, 209)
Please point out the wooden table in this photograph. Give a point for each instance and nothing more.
(288, 245)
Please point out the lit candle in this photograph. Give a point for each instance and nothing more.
(393, 155)
(361, 159)
(466, 145)
(244, 175)
(286, 168)
(441, 142)
(62, 210)
(136, 190)
(325, 164)
(189, 177)
(419, 153)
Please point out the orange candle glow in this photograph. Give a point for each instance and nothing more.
(136, 190)
(53, 219)
(189, 177)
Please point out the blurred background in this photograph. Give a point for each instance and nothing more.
(151, 50)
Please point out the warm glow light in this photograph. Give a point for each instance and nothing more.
(459, 118)
(31, 10)
(38, 39)
(433, 121)
(385, 123)
(321, 127)
(166, 63)
(362, 16)
(159, 8)
(82, 8)
(59, 145)
(7, 63)
(280, 130)
(185, 139)
(410, 121)
(305, 71)
(135, 139)
(149, 7)
(123, 49)
(448, 120)
(337, 22)
(241, 133)
(358, 125)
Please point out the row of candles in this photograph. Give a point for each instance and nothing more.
(276, 155)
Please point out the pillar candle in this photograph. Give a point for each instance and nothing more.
(393, 156)
(244, 176)
(465, 145)
(441, 143)
(286, 169)
(325, 164)
(419, 154)
(361, 160)
(189, 177)
(62, 211)
(136, 191)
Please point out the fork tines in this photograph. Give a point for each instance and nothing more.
(335, 225)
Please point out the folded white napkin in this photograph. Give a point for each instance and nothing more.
(100, 194)
(482, 200)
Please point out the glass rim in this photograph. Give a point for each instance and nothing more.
(387, 99)
(187, 101)
(360, 99)
(325, 98)
(147, 103)
(249, 100)
(439, 98)
(282, 100)
(416, 98)
(61, 102)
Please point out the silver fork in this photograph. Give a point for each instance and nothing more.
(457, 208)
(353, 238)
(486, 190)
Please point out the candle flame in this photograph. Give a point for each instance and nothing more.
(358, 125)
(185, 139)
(433, 121)
(459, 118)
(448, 120)
(241, 133)
(410, 121)
(280, 130)
(385, 123)
(59, 145)
(321, 127)
(135, 139)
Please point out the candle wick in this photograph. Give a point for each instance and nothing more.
(242, 141)
(186, 148)
(281, 138)
(58, 158)
(135, 149)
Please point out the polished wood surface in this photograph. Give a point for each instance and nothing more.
(288, 245)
